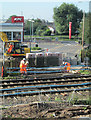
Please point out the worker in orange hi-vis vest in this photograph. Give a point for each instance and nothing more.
(10, 48)
(67, 66)
(23, 65)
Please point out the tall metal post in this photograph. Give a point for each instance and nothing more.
(3, 60)
(3, 54)
(83, 29)
(70, 24)
(30, 36)
(11, 35)
(21, 36)
(32, 30)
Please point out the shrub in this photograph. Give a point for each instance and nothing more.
(36, 48)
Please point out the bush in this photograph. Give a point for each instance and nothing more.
(46, 33)
(36, 48)
(85, 72)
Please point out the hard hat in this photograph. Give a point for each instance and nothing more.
(65, 63)
(27, 62)
(24, 59)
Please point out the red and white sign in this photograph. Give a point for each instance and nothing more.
(70, 24)
(17, 19)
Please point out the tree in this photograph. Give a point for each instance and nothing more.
(9, 19)
(87, 35)
(37, 22)
(89, 27)
(39, 26)
(86, 29)
(63, 15)
(47, 32)
(43, 30)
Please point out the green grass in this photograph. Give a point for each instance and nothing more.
(53, 38)
(87, 72)
(75, 98)
(57, 99)
(50, 36)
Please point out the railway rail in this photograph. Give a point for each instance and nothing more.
(43, 81)
(45, 85)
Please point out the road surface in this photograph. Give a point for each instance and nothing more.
(70, 47)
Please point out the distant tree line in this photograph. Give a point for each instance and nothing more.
(39, 27)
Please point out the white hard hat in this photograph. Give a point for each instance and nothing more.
(24, 59)
(27, 62)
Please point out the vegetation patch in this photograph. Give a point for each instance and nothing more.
(36, 48)
(85, 72)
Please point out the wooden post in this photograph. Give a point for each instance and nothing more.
(83, 29)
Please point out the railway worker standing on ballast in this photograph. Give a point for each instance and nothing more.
(67, 66)
(23, 65)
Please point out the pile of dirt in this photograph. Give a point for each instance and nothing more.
(46, 110)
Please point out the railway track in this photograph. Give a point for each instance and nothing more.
(57, 78)
(43, 81)
(45, 85)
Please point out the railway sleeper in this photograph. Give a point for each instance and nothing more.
(51, 78)
(43, 92)
(72, 86)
